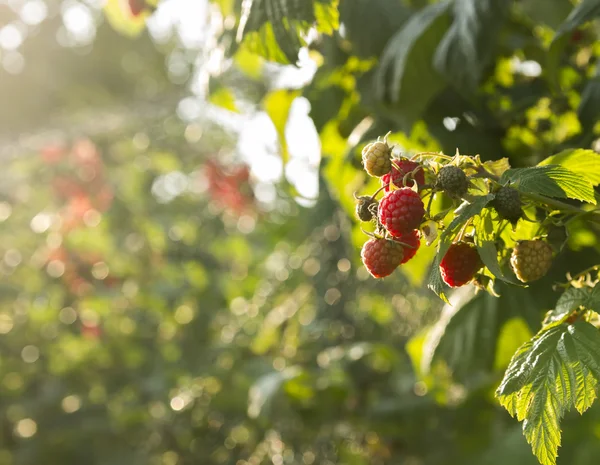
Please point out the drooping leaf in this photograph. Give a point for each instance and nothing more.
(581, 14)
(556, 370)
(513, 334)
(552, 181)
(549, 12)
(264, 43)
(465, 335)
(277, 104)
(574, 298)
(434, 280)
(485, 241)
(406, 76)
(585, 163)
(469, 45)
(275, 28)
(489, 256)
(325, 103)
(369, 24)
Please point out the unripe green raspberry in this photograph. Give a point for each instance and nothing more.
(453, 181)
(366, 208)
(508, 204)
(377, 159)
(530, 260)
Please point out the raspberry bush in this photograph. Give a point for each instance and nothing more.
(490, 223)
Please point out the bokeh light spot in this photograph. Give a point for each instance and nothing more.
(26, 428)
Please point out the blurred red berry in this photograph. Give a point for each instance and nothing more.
(136, 7)
(576, 36)
(91, 330)
(52, 154)
(230, 189)
(65, 187)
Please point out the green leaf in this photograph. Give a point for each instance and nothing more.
(434, 280)
(371, 23)
(574, 298)
(556, 370)
(484, 226)
(485, 236)
(497, 167)
(275, 28)
(264, 43)
(327, 16)
(465, 335)
(489, 256)
(581, 14)
(550, 180)
(406, 75)
(224, 98)
(469, 45)
(472, 337)
(277, 104)
(514, 333)
(583, 162)
(549, 12)
(466, 211)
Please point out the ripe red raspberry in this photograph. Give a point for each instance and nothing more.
(381, 256)
(460, 264)
(401, 211)
(413, 241)
(530, 260)
(405, 166)
(377, 159)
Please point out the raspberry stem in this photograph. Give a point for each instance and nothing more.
(431, 155)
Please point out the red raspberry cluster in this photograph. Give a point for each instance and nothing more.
(401, 212)
(401, 217)
(398, 215)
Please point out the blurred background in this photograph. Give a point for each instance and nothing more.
(179, 261)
